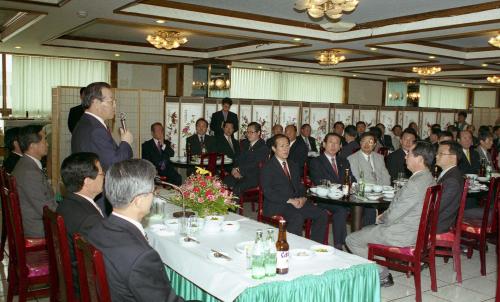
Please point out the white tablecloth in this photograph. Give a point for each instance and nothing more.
(227, 281)
(197, 161)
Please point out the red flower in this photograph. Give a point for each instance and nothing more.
(196, 189)
(208, 192)
(203, 184)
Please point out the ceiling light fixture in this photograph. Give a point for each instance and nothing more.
(17, 47)
(329, 57)
(297, 39)
(117, 54)
(484, 65)
(354, 75)
(333, 9)
(494, 79)
(432, 57)
(373, 48)
(495, 41)
(166, 39)
(426, 71)
(160, 21)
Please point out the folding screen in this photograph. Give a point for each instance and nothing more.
(245, 116)
(388, 117)
(172, 131)
(368, 115)
(428, 118)
(320, 120)
(262, 113)
(191, 110)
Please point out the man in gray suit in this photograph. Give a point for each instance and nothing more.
(372, 166)
(485, 144)
(398, 225)
(32, 183)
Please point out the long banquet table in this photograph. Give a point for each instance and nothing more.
(337, 277)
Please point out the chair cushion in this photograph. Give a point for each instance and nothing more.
(31, 242)
(38, 263)
(473, 225)
(450, 236)
(404, 250)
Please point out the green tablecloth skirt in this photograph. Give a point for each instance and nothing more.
(359, 283)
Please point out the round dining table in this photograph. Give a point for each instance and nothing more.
(356, 204)
(181, 162)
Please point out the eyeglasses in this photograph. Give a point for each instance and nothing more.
(251, 132)
(370, 142)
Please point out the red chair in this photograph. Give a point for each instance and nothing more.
(423, 251)
(250, 195)
(494, 154)
(3, 179)
(272, 220)
(91, 272)
(498, 258)
(476, 231)
(448, 244)
(29, 275)
(305, 179)
(61, 277)
(211, 159)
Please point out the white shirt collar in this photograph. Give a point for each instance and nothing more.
(445, 171)
(38, 163)
(132, 221)
(20, 154)
(329, 157)
(416, 173)
(98, 118)
(365, 155)
(91, 202)
(156, 141)
(281, 162)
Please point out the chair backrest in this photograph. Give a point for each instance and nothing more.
(91, 272)
(493, 195)
(212, 161)
(426, 237)
(15, 232)
(460, 214)
(59, 255)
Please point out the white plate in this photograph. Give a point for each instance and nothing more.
(242, 246)
(483, 179)
(387, 188)
(230, 226)
(301, 254)
(322, 250)
(335, 196)
(211, 257)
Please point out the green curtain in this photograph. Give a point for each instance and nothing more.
(34, 77)
(435, 96)
(273, 85)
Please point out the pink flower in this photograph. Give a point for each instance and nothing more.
(217, 184)
(196, 190)
(211, 197)
(191, 196)
(200, 200)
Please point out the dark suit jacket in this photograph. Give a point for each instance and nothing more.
(270, 142)
(161, 160)
(248, 163)
(134, 269)
(312, 142)
(349, 149)
(453, 185)
(90, 135)
(194, 142)
(10, 162)
(321, 168)
(223, 146)
(75, 113)
(34, 193)
(387, 142)
(79, 217)
(217, 121)
(298, 153)
(395, 163)
(276, 186)
(471, 167)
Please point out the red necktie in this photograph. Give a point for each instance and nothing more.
(334, 166)
(285, 169)
(159, 146)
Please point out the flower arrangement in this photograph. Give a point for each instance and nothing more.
(206, 195)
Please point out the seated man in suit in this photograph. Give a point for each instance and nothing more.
(246, 173)
(305, 135)
(447, 157)
(385, 139)
(370, 166)
(219, 117)
(329, 165)
(434, 137)
(470, 161)
(75, 113)
(11, 141)
(277, 129)
(360, 128)
(298, 149)
(158, 151)
(461, 124)
(33, 186)
(83, 179)
(226, 143)
(485, 144)
(397, 130)
(285, 195)
(201, 142)
(351, 144)
(134, 270)
(338, 128)
(399, 224)
(396, 162)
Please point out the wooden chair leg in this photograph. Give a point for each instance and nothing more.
(3, 239)
(482, 257)
(457, 262)
(418, 282)
(432, 271)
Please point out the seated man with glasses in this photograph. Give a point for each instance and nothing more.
(134, 270)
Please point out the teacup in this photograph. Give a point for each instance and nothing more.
(314, 190)
(377, 188)
(368, 188)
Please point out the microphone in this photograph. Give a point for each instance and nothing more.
(123, 117)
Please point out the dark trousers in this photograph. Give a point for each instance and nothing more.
(295, 219)
(339, 222)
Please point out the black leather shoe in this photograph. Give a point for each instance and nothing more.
(387, 281)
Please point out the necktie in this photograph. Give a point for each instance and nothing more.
(202, 139)
(467, 154)
(230, 143)
(159, 146)
(334, 166)
(370, 163)
(307, 143)
(285, 169)
(225, 115)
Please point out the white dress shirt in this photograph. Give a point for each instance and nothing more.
(132, 221)
(98, 118)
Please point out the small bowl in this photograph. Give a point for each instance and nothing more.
(377, 188)
(322, 191)
(314, 190)
(368, 188)
(373, 197)
(230, 226)
(389, 196)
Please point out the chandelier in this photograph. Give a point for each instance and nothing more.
(495, 41)
(494, 79)
(426, 71)
(329, 57)
(219, 84)
(166, 39)
(333, 9)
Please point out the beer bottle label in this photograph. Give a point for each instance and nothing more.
(282, 259)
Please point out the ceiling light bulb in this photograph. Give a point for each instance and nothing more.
(297, 39)
(373, 48)
(432, 57)
(160, 21)
(17, 47)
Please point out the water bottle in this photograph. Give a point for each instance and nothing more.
(488, 171)
(258, 257)
(361, 190)
(270, 264)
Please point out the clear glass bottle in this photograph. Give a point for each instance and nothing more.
(361, 187)
(258, 257)
(270, 264)
(488, 171)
